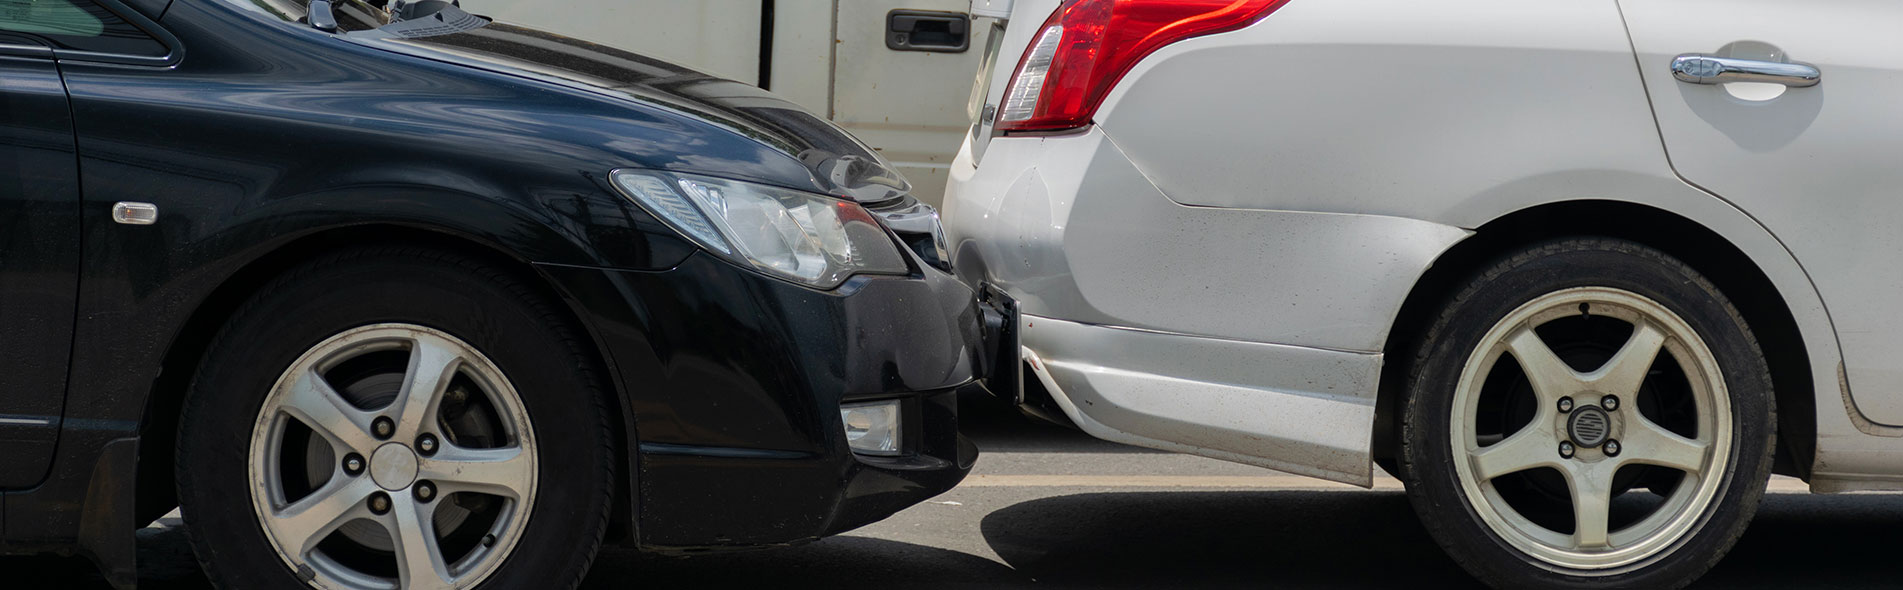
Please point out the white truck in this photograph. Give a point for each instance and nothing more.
(896, 73)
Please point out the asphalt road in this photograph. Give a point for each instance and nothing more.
(1048, 507)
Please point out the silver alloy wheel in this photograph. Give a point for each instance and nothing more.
(1590, 471)
(399, 488)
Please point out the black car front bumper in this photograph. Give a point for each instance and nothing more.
(734, 382)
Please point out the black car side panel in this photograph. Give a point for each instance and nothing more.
(39, 251)
(268, 134)
(261, 137)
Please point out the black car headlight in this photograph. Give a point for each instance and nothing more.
(806, 238)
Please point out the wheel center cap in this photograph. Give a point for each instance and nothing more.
(1589, 426)
(393, 466)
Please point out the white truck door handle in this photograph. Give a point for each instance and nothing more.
(1698, 68)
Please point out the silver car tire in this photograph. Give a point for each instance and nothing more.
(1588, 413)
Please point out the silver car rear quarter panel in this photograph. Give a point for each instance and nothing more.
(1241, 334)
(1072, 230)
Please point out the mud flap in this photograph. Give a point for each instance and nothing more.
(105, 527)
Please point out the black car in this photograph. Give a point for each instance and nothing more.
(397, 296)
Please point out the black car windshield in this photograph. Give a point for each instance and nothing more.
(400, 18)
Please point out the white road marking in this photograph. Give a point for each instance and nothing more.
(1778, 485)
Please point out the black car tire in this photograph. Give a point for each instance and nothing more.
(497, 313)
(1479, 310)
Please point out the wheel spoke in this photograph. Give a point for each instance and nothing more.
(1650, 444)
(502, 472)
(1591, 487)
(1623, 374)
(433, 363)
(1529, 448)
(312, 401)
(1550, 376)
(309, 520)
(419, 557)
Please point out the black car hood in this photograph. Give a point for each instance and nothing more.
(839, 163)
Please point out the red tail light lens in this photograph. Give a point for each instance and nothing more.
(1088, 45)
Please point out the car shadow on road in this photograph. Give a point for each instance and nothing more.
(838, 562)
(1345, 539)
(1159, 539)
(1177, 539)
(166, 562)
(1814, 542)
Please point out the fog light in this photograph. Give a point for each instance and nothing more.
(872, 428)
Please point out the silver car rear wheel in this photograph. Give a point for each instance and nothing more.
(1586, 413)
(1588, 425)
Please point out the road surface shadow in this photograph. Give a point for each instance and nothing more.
(1815, 542)
(166, 563)
(1168, 539)
(839, 562)
(1281, 539)
(1313, 539)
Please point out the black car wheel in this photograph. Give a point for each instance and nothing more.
(396, 419)
(1588, 414)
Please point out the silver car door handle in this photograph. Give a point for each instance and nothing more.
(1698, 68)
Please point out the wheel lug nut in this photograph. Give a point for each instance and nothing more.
(1612, 448)
(380, 503)
(383, 427)
(425, 491)
(1610, 402)
(353, 464)
(1565, 405)
(426, 444)
(1566, 449)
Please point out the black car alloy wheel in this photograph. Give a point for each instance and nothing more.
(396, 419)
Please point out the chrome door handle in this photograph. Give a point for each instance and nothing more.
(1698, 68)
